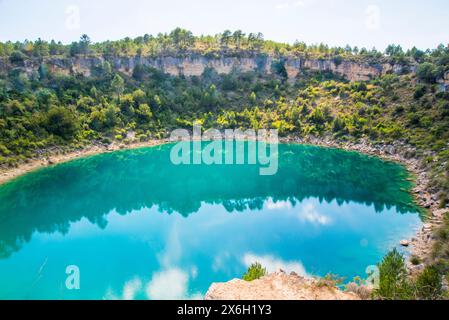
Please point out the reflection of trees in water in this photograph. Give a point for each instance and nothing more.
(52, 199)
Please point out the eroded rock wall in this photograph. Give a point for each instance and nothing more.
(195, 65)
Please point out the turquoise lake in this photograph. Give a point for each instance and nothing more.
(139, 227)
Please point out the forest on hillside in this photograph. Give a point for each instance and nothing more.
(47, 110)
(181, 41)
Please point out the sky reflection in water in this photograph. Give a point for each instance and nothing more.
(139, 227)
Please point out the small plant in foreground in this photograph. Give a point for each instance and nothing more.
(392, 278)
(360, 288)
(330, 280)
(415, 260)
(396, 284)
(428, 284)
(254, 272)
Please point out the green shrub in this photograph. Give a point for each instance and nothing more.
(330, 281)
(255, 271)
(396, 284)
(392, 278)
(61, 122)
(427, 72)
(415, 260)
(428, 284)
(419, 92)
(18, 57)
(4, 150)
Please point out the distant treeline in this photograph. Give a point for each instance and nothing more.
(181, 40)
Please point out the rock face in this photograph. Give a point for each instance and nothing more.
(277, 286)
(195, 65)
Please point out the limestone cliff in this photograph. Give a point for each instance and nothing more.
(195, 65)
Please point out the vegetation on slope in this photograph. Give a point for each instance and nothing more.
(49, 109)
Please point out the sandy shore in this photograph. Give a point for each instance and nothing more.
(420, 245)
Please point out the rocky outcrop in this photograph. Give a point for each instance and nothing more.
(195, 65)
(277, 286)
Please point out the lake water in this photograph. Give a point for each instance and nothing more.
(137, 226)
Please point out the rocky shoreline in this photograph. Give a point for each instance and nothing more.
(422, 243)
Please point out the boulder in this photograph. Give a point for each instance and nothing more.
(404, 243)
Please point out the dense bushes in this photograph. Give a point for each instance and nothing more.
(60, 121)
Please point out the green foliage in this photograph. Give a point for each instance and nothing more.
(48, 108)
(394, 50)
(182, 39)
(428, 284)
(415, 260)
(17, 57)
(330, 280)
(427, 72)
(118, 85)
(152, 103)
(393, 283)
(254, 272)
(61, 122)
(419, 91)
(278, 67)
(440, 250)
(396, 284)
(232, 43)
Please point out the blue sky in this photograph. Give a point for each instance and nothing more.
(335, 22)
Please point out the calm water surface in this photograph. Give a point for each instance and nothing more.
(139, 227)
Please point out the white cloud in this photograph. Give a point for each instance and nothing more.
(273, 264)
(170, 284)
(131, 288)
(173, 248)
(110, 295)
(164, 285)
(220, 262)
(278, 205)
(310, 214)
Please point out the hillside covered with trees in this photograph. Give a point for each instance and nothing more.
(46, 110)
